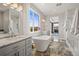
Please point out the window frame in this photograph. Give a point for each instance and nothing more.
(34, 11)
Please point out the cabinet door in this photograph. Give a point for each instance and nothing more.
(22, 52)
(17, 53)
(29, 41)
(13, 54)
(29, 51)
(6, 50)
(28, 47)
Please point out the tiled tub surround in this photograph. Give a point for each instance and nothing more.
(16, 46)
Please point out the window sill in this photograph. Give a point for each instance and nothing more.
(35, 33)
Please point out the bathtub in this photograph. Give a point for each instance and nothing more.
(42, 42)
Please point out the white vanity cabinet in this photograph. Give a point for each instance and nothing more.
(20, 48)
(19, 52)
(13, 49)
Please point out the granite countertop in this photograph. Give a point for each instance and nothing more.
(8, 41)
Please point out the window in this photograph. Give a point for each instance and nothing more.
(34, 21)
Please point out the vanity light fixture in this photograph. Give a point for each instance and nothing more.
(13, 6)
(5, 4)
(43, 20)
(19, 8)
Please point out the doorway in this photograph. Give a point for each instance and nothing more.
(55, 30)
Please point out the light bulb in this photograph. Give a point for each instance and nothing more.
(19, 8)
(14, 5)
(5, 4)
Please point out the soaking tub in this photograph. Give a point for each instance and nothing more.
(42, 42)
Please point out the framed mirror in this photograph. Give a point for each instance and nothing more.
(9, 21)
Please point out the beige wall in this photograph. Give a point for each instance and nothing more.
(24, 24)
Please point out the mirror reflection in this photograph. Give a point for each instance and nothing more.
(9, 20)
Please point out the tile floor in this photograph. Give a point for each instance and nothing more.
(54, 49)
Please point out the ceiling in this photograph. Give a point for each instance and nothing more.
(50, 9)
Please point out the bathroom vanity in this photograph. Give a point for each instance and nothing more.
(13, 40)
(16, 46)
